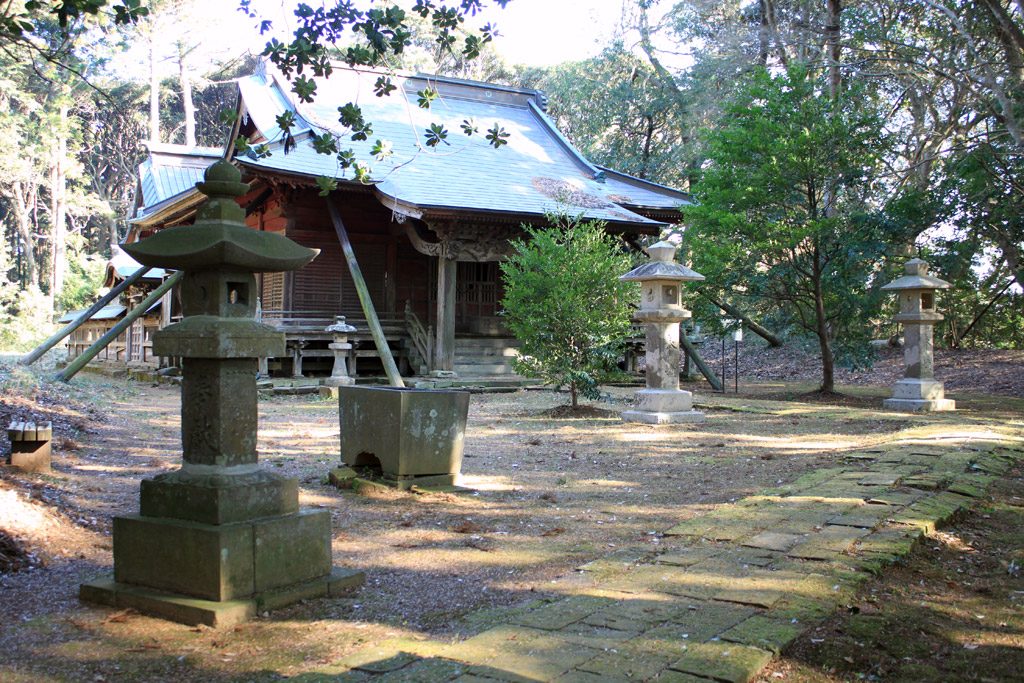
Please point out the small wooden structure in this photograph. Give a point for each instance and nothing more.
(30, 445)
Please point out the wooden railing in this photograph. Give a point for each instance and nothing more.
(422, 339)
(317, 321)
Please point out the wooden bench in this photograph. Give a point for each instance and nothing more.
(30, 445)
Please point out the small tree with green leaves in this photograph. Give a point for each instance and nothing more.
(565, 303)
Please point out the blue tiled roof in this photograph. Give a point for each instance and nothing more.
(170, 171)
(106, 313)
(537, 172)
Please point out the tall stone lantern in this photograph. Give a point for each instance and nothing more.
(219, 539)
(661, 309)
(918, 390)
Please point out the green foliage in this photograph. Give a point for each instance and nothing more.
(565, 303)
(619, 113)
(84, 276)
(784, 216)
(24, 317)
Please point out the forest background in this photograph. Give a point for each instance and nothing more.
(931, 93)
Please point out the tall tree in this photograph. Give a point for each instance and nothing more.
(784, 210)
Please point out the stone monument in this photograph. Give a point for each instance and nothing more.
(219, 539)
(661, 309)
(918, 391)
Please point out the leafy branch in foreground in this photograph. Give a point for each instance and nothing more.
(381, 32)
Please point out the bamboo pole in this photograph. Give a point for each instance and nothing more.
(394, 377)
(704, 368)
(77, 364)
(90, 312)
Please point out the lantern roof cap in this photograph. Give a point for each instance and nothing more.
(917, 277)
(219, 236)
(661, 266)
(340, 326)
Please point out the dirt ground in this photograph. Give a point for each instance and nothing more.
(976, 371)
(550, 495)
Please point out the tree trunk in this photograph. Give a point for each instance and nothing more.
(23, 224)
(832, 35)
(828, 382)
(58, 207)
(762, 35)
(154, 94)
(115, 239)
(186, 97)
(575, 397)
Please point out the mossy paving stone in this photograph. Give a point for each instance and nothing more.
(867, 518)
(616, 561)
(343, 677)
(723, 661)
(576, 676)
(635, 615)
(764, 632)
(801, 608)
(518, 653)
(595, 637)
(626, 665)
(828, 543)
(773, 540)
(561, 613)
(933, 512)
(721, 528)
(383, 663)
(688, 556)
(670, 676)
(762, 587)
(425, 671)
(703, 621)
(891, 541)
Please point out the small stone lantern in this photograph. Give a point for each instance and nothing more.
(918, 391)
(661, 308)
(220, 539)
(341, 347)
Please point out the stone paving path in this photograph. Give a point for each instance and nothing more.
(724, 592)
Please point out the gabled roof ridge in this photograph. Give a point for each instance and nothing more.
(642, 181)
(182, 150)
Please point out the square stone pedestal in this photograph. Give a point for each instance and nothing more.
(919, 396)
(663, 406)
(220, 574)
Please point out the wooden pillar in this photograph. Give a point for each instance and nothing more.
(444, 349)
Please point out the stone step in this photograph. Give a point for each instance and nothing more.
(486, 353)
(483, 369)
(486, 342)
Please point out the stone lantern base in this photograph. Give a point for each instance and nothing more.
(219, 574)
(663, 406)
(919, 396)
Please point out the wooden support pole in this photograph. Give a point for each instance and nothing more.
(390, 369)
(74, 366)
(77, 322)
(704, 368)
(772, 339)
(444, 349)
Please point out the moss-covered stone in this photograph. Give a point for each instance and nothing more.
(723, 661)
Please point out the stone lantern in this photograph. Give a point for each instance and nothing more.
(661, 309)
(341, 347)
(219, 539)
(918, 390)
